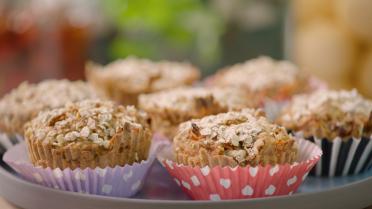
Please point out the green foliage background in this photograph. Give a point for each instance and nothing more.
(172, 29)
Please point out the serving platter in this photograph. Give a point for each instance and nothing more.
(160, 191)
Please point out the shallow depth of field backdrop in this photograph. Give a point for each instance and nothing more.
(54, 38)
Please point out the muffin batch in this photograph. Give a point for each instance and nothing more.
(212, 138)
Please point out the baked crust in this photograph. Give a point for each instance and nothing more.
(263, 78)
(329, 114)
(124, 80)
(233, 139)
(91, 134)
(27, 100)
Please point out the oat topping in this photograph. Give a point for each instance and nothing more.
(231, 127)
(347, 101)
(24, 102)
(141, 75)
(192, 99)
(329, 113)
(240, 134)
(181, 99)
(260, 73)
(87, 121)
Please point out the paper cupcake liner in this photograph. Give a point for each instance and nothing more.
(221, 183)
(7, 141)
(342, 157)
(119, 181)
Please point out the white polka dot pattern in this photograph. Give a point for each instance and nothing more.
(195, 181)
(247, 191)
(219, 183)
(106, 189)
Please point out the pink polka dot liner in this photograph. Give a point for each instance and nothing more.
(223, 183)
(120, 181)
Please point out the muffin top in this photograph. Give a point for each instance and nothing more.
(88, 121)
(239, 135)
(27, 100)
(134, 75)
(328, 114)
(187, 103)
(264, 74)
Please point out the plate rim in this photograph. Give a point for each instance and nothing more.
(19, 180)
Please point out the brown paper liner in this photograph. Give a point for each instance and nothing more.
(125, 147)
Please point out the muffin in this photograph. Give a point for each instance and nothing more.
(27, 100)
(264, 78)
(89, 133)
(124, 80)
(237, 155)
(338, 121)
(233, 139)
(171, 107)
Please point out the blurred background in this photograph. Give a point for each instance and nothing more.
(331, 39)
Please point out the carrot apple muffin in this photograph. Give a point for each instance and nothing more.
(171, 107)
(123, 80)
(27, 100)
(263, 78)
(233, 139)
(90, 133)
(329, 114)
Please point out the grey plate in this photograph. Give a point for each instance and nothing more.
(161, 192)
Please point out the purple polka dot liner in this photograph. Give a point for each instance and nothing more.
(224, 183)
(120, 181)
